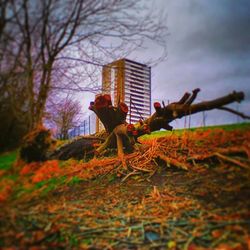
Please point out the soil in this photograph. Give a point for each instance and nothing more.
(175, 209)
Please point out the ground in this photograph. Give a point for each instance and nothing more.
(206, 206)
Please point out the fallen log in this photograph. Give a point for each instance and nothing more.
(123, 136)
(114, 118)
(164, 115)
(80, 148)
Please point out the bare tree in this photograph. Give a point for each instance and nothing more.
(64, 115)
(49, 32)
(13, 107)
(5, 17)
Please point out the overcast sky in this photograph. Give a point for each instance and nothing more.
(208, 47)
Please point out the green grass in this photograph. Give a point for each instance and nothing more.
(227, 127)
(45, 186)
(52, 184)
(7, 159)
(74, 180)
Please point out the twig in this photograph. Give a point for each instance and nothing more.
(226, 158)
(104, 145)
(121, 240)
(189, 241)
(242, 115)
(231, 150)
(221, 152)
(129, 174)
(172, 162)
(143, 231)
(220, 239)
(142, 169)
(148, 179)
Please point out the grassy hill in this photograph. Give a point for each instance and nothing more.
(227, 127)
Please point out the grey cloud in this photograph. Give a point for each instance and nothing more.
(213, 26)
(208, 47)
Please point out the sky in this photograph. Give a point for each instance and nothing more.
(208, 47)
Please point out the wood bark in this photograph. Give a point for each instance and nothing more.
(164, 115)
(123, 136)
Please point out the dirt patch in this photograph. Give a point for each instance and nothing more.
(169, 210)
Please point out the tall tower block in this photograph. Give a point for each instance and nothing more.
(130, 82)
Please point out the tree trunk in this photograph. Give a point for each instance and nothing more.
(43, 94)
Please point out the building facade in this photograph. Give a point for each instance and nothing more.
(130, 82)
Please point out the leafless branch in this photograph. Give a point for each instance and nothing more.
(242, 115)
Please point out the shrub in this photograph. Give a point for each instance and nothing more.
(36, 145)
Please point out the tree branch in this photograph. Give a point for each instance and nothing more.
(242, 115)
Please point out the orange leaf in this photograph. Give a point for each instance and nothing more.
(216, 233)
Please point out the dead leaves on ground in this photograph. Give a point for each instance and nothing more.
(190, 151)
(119, 215)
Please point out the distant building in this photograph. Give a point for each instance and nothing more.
(130, 82)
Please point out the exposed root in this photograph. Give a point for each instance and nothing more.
(232, 150)
(172, 162)
(231, 160)
(129, 174)
(185, 151)
(105, 144)
(182, 152)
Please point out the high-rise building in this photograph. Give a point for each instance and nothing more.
(130, 82)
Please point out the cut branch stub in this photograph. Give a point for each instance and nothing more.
(114, 121)
(109, 115)
(158, 108)
(184, 98)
